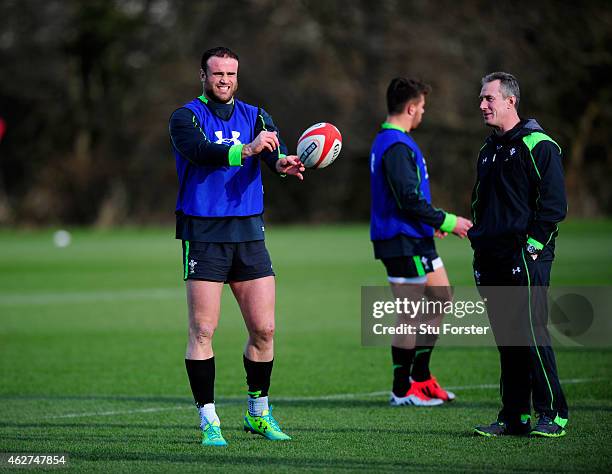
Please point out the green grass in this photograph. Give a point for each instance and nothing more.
(92, 340)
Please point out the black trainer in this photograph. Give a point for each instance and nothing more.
(499, 428)
(547, 428)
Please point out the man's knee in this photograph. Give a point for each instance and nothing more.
(202, 333)
(262, 335)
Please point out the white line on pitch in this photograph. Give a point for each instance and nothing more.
(35, 299)
(119, 412)
(337, 396)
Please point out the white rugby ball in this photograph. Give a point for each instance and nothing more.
(319, 145)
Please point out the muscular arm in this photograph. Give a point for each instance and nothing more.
(550, 203)
(402, 175)
(189, 140)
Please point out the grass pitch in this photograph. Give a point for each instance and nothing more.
(92, 341)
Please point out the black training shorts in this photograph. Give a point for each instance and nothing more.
(226, 262)
(423, 260)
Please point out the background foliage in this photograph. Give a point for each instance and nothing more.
(86, 89)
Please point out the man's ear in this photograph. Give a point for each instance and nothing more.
(202, 74)
(410, 108)
(512, 101)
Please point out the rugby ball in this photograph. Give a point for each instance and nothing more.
(319, 145)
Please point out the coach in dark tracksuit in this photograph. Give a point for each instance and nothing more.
(517, 202)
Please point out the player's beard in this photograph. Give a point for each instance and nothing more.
(210, 93)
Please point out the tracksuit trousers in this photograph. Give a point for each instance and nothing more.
(515, 291)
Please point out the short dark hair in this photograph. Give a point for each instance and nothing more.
(220, 52)
(402, 90)
(507, 84)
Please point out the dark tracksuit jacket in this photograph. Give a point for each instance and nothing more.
(517, 202)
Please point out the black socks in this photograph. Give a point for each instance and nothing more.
(409, 362)
(258, 377)
(201, 375)
(420, 369)
(402, 363)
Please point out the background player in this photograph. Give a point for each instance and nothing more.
(402, 229)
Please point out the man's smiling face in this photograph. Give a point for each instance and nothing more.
(220, 78)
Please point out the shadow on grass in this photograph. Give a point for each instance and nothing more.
(217, 459)
(102, 432)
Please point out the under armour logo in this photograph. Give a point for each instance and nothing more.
(192, 263)
(516, 270)
(424, 261)
(499, 147)
(227, 141)
(512, 151)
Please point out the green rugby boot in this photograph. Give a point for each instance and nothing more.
(211, 435)
(264, 425)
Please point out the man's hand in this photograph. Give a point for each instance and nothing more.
(440, 234)
(462, 226)
(290, 165)
(263, 141)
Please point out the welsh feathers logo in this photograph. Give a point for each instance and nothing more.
(227, 141)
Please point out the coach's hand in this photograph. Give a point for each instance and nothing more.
(290, 165)
(440, 234)
(263, 141)
(462, 226)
